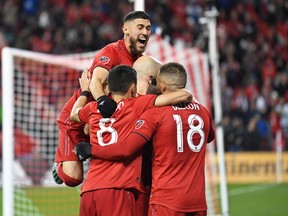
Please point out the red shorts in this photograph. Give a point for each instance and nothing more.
(158, 210)
(67, 139)
(142, 204)
(110, 202)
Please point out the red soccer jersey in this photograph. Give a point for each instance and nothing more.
(113, 54)
(179, 142)
(108, 57)
(124, 173)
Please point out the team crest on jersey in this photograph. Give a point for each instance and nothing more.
(104, 59)
(139, 124)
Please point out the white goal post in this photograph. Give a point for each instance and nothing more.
(14, 175)
(7, 153)
(35, 87)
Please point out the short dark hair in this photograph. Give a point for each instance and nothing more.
(136, 15)
(121, 77)
(177, 70)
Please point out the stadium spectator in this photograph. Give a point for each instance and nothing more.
(250, 33)
(114, 183)
(252, 138)
(136, 29)
(284, 122)
(178, 177)
(234, 134)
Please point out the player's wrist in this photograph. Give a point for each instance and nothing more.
(106, 106)
(93, 152)
(83, 150)
(101, 98)
(85, 93)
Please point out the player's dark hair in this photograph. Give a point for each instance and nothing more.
(120, 78)
(136, 15)
(177, 70)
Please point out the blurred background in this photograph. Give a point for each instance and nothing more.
(252, 39)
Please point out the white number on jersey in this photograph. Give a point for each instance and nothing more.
(107, 129)
(196, 125)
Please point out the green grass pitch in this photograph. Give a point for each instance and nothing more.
(46, 201)
(258, 200)
(244, 199)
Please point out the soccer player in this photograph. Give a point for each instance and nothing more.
(179, 135)
(136, 30)
(147, 68)
(111, 187)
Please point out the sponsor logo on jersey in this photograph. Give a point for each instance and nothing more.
(74, 150)
(104, 59)
(139, 124)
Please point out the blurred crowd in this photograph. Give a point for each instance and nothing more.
(252, 41)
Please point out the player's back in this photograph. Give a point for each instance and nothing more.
(179, 145)
(124, 173)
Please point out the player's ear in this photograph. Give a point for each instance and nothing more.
(162, 87)
(149, 79)
(125, 29)
(133, 90)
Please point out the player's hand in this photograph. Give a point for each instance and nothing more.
(106, 106)
(86, 129)
(85, 80)
(83, 150)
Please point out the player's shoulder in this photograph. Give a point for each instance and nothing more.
(145, 98)
(140, 99)
(130, 101)
(201, 108)
(91, 105)
(115, 46)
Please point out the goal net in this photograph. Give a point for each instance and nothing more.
(35, 87)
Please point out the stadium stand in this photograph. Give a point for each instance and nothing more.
(252, 41)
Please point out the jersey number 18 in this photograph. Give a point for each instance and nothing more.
(196, 125)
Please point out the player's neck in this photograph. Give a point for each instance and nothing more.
(142, 88)
(119, 97)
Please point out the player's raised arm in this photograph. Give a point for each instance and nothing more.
(178, 96)
(99, 90)
(98, 82)
(82, 100)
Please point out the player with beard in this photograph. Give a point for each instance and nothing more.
(179, 135)
(112, 188)
(137, 30)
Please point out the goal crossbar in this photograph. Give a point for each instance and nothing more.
(23, 65)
